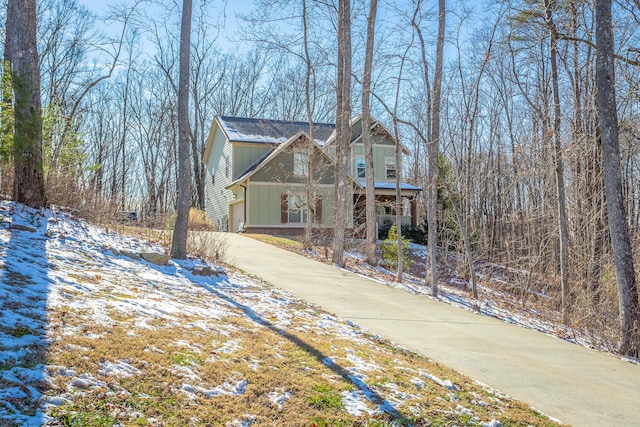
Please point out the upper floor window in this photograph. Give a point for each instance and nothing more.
(390, 167)
(360, 167)
(300, 167)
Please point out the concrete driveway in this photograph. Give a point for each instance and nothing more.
(565, 381)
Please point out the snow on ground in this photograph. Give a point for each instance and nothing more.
(62, 256)
(53, 267)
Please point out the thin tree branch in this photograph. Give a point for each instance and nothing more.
(634, 62)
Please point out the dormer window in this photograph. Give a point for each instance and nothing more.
(390, 167)
(360, 167)
(300, 163)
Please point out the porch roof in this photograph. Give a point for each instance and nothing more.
(385, 185)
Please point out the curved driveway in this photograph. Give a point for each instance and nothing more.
(574, 384)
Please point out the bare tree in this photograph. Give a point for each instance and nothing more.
(309, 102)
(559, 164)
(621, 243)
(28, 184)
(370, 198)
(343, 129)
(433, 148)
(179, 241)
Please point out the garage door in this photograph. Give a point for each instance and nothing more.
(237, 216)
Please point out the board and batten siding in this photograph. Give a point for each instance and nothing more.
(263, 203)
(381, 150)
(246, 154)
(218, 176)
(280, 169)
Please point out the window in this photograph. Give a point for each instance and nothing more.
(297, 208)
(390, 167)
(300, 163)
(360, 167)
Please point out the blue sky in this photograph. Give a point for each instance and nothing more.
(215, 7)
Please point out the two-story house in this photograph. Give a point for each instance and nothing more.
(258, 176)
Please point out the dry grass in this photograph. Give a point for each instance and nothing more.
(198, 221)
(281, 242)
(169, 355)
(190, 370)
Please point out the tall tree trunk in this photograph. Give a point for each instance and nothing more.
(179, 242)
(309, 100)
(432, 151)
(123, 139)
(343, 130)
(7, 117)
(370, 198)
(398, 153)
(559, 166)
(28, 183)
(621, 243)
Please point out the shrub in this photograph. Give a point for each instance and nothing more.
(383, 229)
(198, 221)
(389, 250)
(414, 234)
(207, 246)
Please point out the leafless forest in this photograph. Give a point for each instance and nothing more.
(519, 155)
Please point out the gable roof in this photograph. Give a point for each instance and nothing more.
(276, 132)
(267, 157)
(241, 129)
(376, 127)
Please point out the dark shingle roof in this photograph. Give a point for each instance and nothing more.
(242, 129)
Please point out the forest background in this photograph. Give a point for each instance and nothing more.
(518, 135)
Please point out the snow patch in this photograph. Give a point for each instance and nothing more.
(279, 397)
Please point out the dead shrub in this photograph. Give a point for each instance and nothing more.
(63, 190)
(198, 221)
(596, 316)
(207, 245)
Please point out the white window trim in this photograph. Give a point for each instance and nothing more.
(358, 158)
(387, 161)
(304, 165)
(304, 212)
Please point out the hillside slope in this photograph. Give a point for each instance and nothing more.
(93, 335)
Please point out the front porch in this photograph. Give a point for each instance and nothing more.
(386, 209)
(404, 219)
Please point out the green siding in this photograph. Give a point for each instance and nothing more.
(244, 156)
(264, 203)
(379, 154)
(217, 197)
(280, 169)
(356, 130)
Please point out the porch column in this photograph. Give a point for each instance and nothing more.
(414, 220)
